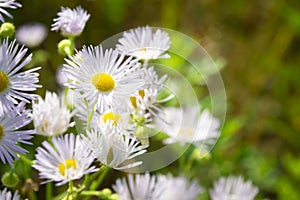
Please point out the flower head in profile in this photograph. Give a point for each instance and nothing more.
(142, 186)
(70, 22)
(198, 129)
(112, 148)
(15, 85)
(105, 78)
(68, 159)
(143, 44)
(32, 34)
(8, 195)
(233, 188)
(50, 116)
(7, 4)
(10, 135)
(156, 187)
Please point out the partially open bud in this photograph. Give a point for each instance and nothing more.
(7, 29)
(65, 47)
(10, 179)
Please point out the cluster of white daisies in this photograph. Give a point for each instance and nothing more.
(115, 93)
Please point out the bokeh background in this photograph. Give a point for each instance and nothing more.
(257, 40)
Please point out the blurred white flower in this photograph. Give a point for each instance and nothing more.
(143, 44)
(188, 126)
(70, 22)
(50, 116)
(233, 188)
(105, 78)
(8, 195)
(31, 34)
(15, 85)
(160, 187)
(67, 159)
(7, 4)
(10, 135)
(112, 148)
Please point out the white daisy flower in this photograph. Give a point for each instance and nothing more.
(106, 79)
(188, 126)
(31, 34)
(7, 4)
(67, 159)
(144, 101)
(113, 149)
(14, 85)
(50, 116)
(143, 44)
(233, 188)
(8, 195)
(178, 188)
(70, 22)
(160, 187)
(10, 136)
(143, 187)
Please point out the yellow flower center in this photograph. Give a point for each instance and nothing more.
(1, 132)
(103, 82)
(62, 167)
(133, 98)
(111, 116)
(4, 81)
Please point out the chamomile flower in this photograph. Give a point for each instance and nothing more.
(67, 159)
(178, 188)
(50, 116)
(7, 4)
(31, 34)
(70, 22)
(8, 195)
(142, 187)
(113, 149)
(143, 44)
(14, 84)
(233, 188)
(106, 79)
(10, 135)
(198, 129)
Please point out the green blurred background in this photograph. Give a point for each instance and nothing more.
(259, 41)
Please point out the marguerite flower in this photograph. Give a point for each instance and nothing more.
(142, 187)
(178, 188)
(188, 126)
(68, 159)
(7, 4)
(50, 116)
(70, 22)
(106, 79)
(113, 149)
(143, 44)
(31, 34)
(160, 187)
(14, 85)
(10, 136)
(233, 188)
(8, 195)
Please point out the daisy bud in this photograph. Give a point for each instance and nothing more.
(7, 29)
(10, 179)
(65, 47)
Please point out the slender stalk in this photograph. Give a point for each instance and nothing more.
(25, 160)
(49, 188)
(72, 39)
(96, 184)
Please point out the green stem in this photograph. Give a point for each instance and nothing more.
(70, 190)
(49, 188)
(71, 38)
(32, 195)
(25, 160)
(96, 184)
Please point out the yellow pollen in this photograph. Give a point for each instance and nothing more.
(142, 93)
(1, 132)
(133, 101)
(103, 82)
(143, 49)
(111, 116)
(62, 167)
(4, 81)
(186, 131)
